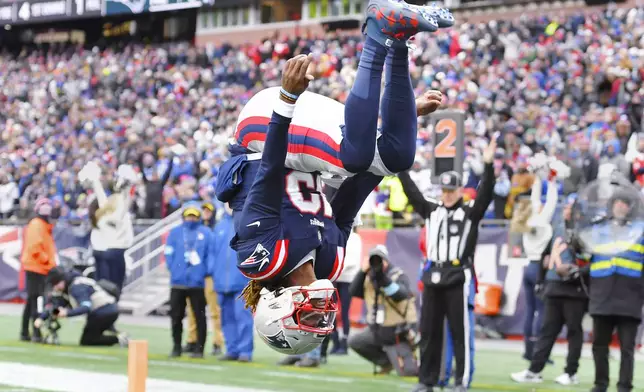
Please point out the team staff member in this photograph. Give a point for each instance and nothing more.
(208, 210)
(208, 218)
(616, 287)
(186, 254)
(452, 231)
(237, 321)
(38, 258)
(351, 268)
(86, 297)
(566, 303)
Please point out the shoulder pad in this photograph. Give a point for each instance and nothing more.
(395, 272)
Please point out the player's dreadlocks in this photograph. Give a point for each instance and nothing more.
(251, 295)
(251, 292)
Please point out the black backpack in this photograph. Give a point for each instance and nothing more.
(110, 288)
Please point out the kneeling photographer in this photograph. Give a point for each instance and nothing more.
(390, 340)
(85, 296)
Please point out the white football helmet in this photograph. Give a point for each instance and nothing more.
(295, 320)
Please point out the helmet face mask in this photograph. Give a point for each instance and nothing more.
(295, 320)
(314, 310)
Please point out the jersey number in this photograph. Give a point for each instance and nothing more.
(446, 148)
(316, 202)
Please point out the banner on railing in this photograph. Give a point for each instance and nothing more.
(70, 240)
(492, 262)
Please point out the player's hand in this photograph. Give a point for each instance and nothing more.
(555, 255)
(38, 323)
(364, 266)
(62, 313)
(428, 103)
(295, 78)
(490, 150)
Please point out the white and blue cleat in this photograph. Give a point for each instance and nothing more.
(393, 22)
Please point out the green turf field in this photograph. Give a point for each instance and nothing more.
(340, 374)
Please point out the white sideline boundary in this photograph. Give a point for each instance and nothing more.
(67, 380)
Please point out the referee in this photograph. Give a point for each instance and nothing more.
(452, 231)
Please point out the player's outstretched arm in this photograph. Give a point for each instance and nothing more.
(350, 197)
(295, 80)
(269, 181)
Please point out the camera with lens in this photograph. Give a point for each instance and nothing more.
(573, 274)
(375, 263)
(52, 325)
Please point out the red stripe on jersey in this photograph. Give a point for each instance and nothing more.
(292, 148)
(294, 129)
(338, 265)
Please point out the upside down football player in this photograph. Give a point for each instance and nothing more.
(284, 250)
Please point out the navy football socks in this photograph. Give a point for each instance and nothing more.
(397, 145)
(361, 109)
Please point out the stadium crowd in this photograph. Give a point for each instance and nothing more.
(573, 88)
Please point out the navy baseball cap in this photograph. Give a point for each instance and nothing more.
(450, 180)
(56, 275)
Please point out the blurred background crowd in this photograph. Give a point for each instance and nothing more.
(570, 87)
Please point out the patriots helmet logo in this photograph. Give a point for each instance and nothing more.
(278, 341)
(260, 256)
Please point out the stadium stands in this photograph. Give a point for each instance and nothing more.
(549, 85)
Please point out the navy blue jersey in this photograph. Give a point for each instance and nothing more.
(282, 218)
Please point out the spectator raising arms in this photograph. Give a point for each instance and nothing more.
(154, 184)
(535, 242)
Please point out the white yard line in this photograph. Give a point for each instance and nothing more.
(304, 376)
(184, 365)
(95, 357)
(67, 380)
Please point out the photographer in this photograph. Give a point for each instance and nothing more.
(85, 296)
(388, 342)
(566, 303)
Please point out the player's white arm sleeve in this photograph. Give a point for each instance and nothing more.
(284, 109)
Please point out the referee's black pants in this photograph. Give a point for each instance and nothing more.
(439, 303)
(603, 327)
(197, 298)
(560, 311)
